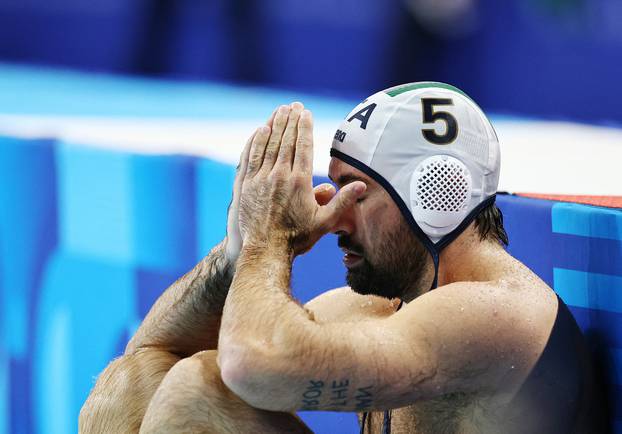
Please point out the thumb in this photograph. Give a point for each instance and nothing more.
(343, 200)
(324, 193)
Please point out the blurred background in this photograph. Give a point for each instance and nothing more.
(121, 122)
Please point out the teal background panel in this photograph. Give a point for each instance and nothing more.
(163, 213)
(95, 202)
(214, 190)
(27, 232)
(58, 92)
(589, 290)
(85, 307)
(587, 221)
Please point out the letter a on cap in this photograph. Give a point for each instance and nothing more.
(363, 115)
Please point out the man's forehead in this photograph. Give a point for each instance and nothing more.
(342, 173)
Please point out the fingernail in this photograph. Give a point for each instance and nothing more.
(284, 109)
(264, 129)
(359, 188)
(305, 114)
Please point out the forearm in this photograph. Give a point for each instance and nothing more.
(186, 318)
(260, 294)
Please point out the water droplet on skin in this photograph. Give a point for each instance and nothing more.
(495, 313)
(461, 309)
(512, 367)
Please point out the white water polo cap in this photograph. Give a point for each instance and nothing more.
(434, 151)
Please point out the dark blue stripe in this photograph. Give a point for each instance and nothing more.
(528, 224)
(594, 255)
(20, 396)
(599, 326)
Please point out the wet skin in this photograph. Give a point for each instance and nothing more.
(554, 392)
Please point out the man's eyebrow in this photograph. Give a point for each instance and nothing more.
(346, 179)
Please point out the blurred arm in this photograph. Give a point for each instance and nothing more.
(119, 400)
(186, 318)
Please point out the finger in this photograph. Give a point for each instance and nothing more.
(343, 200)
(242, 164)
(270, 121)
(303, 158)
(257, 150)
(286, 151)
(278, 127)
(324, 193)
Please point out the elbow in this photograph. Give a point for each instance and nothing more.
(239, 374)
(236, 377)
(253, 376)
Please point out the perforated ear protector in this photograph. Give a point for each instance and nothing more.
(440, 193)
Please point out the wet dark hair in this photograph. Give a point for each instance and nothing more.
(489, 224)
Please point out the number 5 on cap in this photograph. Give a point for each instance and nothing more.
(430, 116)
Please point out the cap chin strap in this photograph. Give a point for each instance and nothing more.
(434, 249)
(437, 248)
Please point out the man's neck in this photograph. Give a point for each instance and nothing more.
(466, 259)
(470, 259)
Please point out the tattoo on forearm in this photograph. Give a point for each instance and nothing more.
(312, 394)
(337, 396)
(363, 398)
(339, 393)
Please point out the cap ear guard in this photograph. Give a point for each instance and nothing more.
(440, 194)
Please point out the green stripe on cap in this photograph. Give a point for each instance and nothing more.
(423, 85)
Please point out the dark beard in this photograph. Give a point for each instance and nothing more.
(397, 265)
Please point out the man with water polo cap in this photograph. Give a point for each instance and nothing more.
(439, 331)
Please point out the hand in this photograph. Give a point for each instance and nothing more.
(277, 202)
(233, 239)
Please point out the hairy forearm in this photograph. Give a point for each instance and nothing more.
(186, 318)
(260, 293)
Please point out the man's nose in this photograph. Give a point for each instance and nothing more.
(345, 224)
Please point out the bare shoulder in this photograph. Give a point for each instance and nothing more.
(483, 325)
(520, 301)
(343, 304)
(521, 293)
